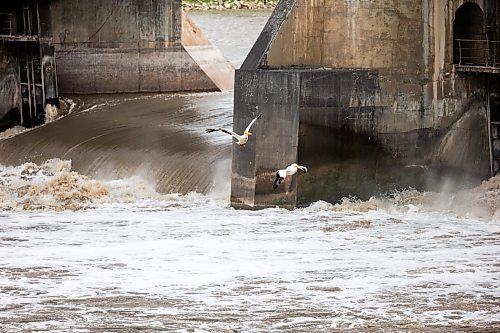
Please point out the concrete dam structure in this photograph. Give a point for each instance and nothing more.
(371, 96)
(57, 47)
(133, 46)
(27, 70)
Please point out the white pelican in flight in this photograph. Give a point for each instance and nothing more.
(289, 171)
(240, 139)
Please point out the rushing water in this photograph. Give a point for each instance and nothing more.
(160, 138)
(119, 251)
(185, 264)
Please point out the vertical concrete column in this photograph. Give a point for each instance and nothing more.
(160, 21)
(243, 166)
(174, 29)
(273, 145)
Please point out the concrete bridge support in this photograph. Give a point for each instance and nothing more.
(131, 46)
(364, 94)
(117, 46)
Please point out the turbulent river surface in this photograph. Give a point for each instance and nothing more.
(116, 218)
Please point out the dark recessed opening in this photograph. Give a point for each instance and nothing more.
(10, 119)
(469, 41)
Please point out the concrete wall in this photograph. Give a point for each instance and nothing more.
(10, 99)
(379, 101)
(130, 70)
(126, 46)
(409, 43)
(22, 100)
(350, 34)
(116, 24)
(255, 163)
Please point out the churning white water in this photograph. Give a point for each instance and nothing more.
(130, 259)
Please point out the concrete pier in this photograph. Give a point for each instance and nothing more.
(371, 97)
(131, 46)
(123, 46)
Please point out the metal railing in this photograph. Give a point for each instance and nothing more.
(477, 52)
(6, 24)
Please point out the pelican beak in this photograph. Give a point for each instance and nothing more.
(303, 168)
(248, 133)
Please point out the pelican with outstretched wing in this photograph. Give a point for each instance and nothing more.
(240, 139)
(289, 171)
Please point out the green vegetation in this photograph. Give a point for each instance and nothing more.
(228, 4)
(222, 2)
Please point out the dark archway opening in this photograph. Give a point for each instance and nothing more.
(469, 39)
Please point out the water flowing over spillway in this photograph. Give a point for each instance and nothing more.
(116, 218)
(159, 138)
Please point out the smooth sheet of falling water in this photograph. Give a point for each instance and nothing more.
(160, 138)
(190, 263)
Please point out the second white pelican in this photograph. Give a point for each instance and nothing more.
(289, 171)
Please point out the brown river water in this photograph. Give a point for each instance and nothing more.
(115, 218)
(158, 137)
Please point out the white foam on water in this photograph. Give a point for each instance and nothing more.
(52, 113)
(179, 258)
(13, 131)
(193, 262)
(80, 254)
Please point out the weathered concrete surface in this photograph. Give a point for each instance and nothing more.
(255, 163)
(10, 94)
(258, 54)
(116, 24)
(27, 71)
(349, 34)
(380, 104)
(131, 46)
(132, 70)
(10, 88)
